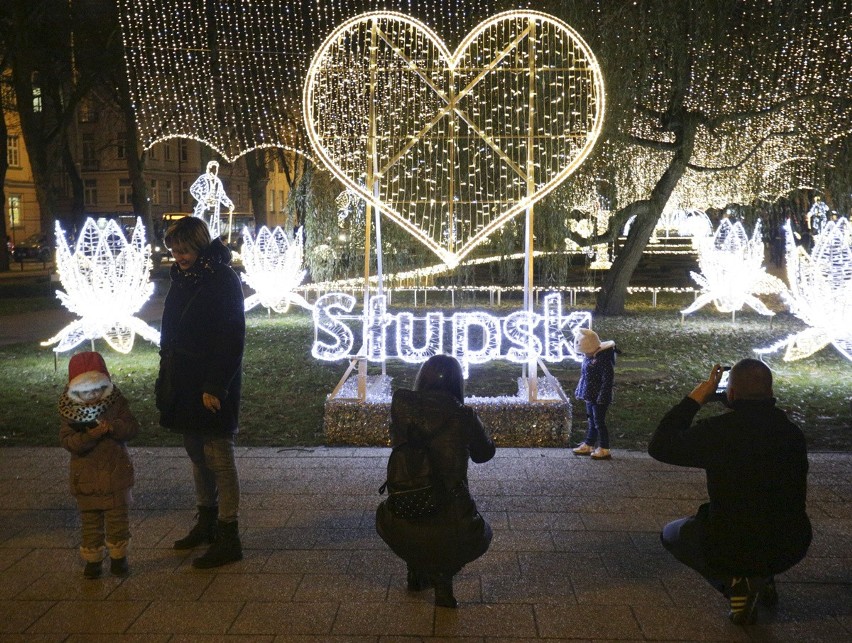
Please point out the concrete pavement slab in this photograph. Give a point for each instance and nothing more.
(575, 556)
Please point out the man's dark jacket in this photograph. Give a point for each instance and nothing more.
(201, 345)
(756, 462)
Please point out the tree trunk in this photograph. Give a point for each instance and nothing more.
(78, 207)
(613, 292)
(258, 176)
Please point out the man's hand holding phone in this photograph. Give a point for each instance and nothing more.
(706, 391)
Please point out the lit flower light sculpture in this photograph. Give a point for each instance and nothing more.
(273, 268)
(820, 293)
(732, 271)
(106, 281)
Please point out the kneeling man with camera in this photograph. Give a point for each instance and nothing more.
(755, 525)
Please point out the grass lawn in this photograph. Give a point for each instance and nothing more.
(284, 388)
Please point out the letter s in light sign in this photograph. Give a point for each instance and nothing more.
(325, 320)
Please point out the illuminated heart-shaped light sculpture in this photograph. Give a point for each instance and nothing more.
(451, 146)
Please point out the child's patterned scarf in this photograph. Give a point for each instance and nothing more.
(77, 412)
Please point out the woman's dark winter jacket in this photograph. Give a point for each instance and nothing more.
(457, 534)
(596, 377)
(756, 462)
(201, 345)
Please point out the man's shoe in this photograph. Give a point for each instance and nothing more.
(119, 567)
(583, 449)
(93, 570)
(601, 454)
(742, 598)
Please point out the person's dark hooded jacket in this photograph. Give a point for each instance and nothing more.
(201, 345)
(457, 534)
(756, 463)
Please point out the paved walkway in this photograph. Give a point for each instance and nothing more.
(575, 556)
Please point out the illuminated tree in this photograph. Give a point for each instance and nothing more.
(710, 104)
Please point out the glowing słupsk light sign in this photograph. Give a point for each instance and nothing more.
(474, 337)
(453, 145)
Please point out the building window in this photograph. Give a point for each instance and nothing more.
(167, 151)
(90, 192)
(36, 93)
(170, 192)
(183, 149)
(152, 153)
(124, 192)
(87, 113)
(90, 159)
(121, 147)
(13, 151)
(184, 192)
(155, 192)
(14, 209)
(281, 199)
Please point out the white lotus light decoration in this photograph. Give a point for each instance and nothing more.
(732, 271)
(273, 268)
(106, 281)
(820, 293)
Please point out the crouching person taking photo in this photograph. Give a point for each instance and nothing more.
(755, 525)
(437, 540)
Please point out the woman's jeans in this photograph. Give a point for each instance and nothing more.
(214, 469)
(597, 435)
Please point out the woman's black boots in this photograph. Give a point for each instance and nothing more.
(226, 549)
(444, 590)
(204, 531)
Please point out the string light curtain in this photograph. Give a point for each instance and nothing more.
(229, 73)
(769, 84)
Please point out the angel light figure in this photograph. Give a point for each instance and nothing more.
(732, 271)
(273, 268)
(820, 293)
(106, 281)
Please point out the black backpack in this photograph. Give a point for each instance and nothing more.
(412, 490)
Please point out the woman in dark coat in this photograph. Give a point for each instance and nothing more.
(437, 546)
(198, 388)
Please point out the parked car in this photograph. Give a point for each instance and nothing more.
(35, 247)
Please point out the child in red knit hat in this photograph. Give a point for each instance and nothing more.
(96, 424)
